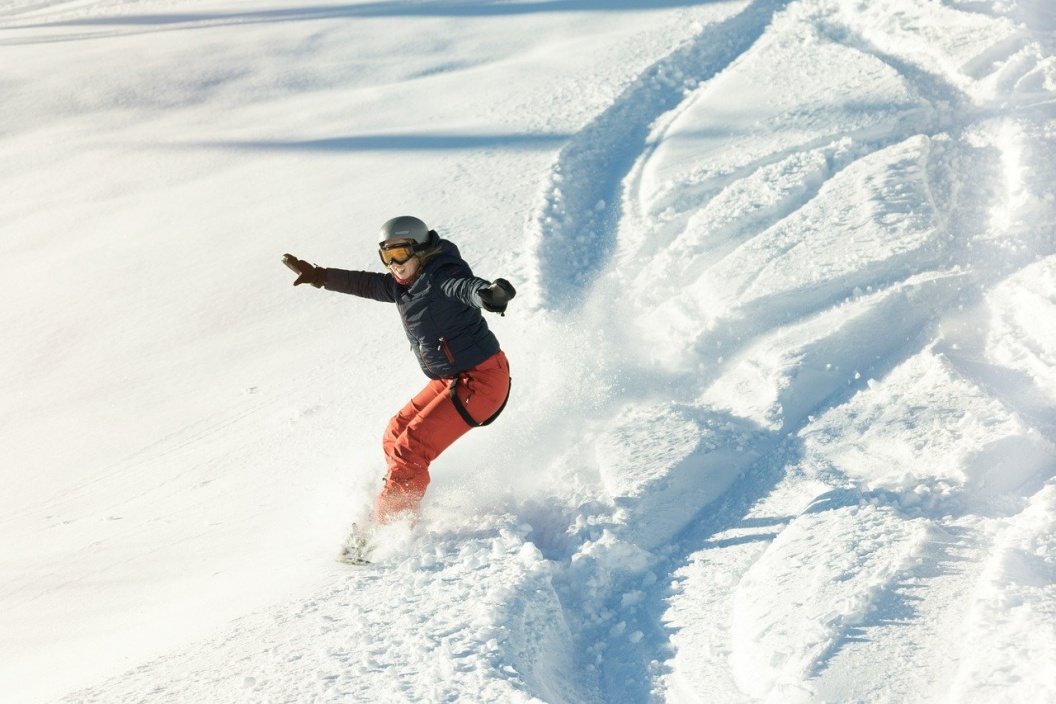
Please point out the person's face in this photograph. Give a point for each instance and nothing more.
(398, 255)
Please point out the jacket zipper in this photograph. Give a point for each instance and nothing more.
(447, 350)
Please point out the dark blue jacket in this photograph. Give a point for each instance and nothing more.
(440, 310)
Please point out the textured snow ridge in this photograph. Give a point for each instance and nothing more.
(780, 644)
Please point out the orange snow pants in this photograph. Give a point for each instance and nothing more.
(429, 424)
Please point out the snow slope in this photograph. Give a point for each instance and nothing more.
(784, 355)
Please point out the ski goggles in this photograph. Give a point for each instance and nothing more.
(396, 253)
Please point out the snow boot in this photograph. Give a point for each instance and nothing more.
(357, 547)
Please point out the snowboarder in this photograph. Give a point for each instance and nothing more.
(439, 300)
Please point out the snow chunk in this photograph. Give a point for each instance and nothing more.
(1023, 331)
(1012, 634)
(664, 463)
(780, 379)
(874, 220)
(926, 424)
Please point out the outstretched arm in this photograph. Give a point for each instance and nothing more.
(477, 292)
(364, 284)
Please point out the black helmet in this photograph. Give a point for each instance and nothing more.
(407, 227)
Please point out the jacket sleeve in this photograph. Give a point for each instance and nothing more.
(365, 284)
(455, 284)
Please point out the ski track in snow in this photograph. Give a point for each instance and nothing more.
(575, 229)
(767, 497)
(772, 392)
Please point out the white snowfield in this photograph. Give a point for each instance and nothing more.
(783, 423)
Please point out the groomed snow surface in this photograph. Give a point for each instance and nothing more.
(783, 424)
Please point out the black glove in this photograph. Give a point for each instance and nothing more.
(494, 298)
(306, 273)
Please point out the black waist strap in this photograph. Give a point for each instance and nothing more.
(465, 414)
